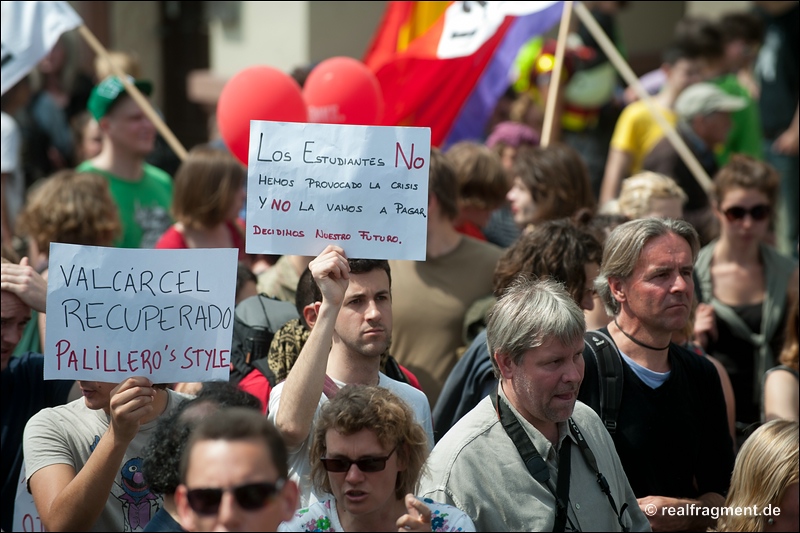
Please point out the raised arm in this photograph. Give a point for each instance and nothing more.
(303, 386)
(73, 501)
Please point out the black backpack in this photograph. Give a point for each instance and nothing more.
(255, 321)
(608, 362)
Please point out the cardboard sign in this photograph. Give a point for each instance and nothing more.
(114, 313)
(364, 188)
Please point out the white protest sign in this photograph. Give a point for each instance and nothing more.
(26, 516)
(114, 313)
(364, 188)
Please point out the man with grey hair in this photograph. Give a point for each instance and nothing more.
(704, 120)
(671, 430)
(530, 457)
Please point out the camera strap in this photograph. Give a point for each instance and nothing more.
(536, 465)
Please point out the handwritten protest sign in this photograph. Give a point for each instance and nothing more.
(364, 188)
(26, 516)
(113, 313)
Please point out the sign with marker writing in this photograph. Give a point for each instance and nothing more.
(114, 313)
(364, 188)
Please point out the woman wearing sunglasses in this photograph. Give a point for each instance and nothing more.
(368, 454)
(746, 281)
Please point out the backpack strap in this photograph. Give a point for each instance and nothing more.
(610, 374)
(262, 365)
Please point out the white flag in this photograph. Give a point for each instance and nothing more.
(29, 32)
(468, 25)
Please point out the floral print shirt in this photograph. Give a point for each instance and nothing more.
(322, 516)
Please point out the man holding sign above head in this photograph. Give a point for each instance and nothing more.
(84, 459)
(120, 321)
(351, 326)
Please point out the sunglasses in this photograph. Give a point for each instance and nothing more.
(757, 212)
(249, 497)
(367, 465)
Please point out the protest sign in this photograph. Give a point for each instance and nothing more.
(26, 516)
(114, 313)
(364, 188)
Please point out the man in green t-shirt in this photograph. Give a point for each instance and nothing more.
(142, 192)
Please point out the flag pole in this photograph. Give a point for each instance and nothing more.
(555, 78)
(135, 93)
(627, 73)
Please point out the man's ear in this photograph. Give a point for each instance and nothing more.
(182, 505)
(617, 289)
(103, 123)
(310, 313)
(290, 500)
(505, 364)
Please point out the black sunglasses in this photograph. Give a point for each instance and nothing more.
(249, 497)
(757, 212)
(367, 464)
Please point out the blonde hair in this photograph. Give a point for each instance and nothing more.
(638, 192)
(766, 466)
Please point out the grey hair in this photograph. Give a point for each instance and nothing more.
(624, 245)
(528, 313)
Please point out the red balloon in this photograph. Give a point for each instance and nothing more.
(257, 93)
(342, 90)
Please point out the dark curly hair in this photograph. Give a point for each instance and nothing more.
(556, 249)
(162, 455)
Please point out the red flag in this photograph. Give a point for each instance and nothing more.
(452, 75)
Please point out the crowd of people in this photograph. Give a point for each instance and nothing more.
(597, 339)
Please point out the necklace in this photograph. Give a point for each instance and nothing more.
(637, 341)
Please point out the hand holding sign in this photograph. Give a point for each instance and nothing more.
(331, 272)
(131, 402)
(256, 93)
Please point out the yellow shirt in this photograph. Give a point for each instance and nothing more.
(637, 131)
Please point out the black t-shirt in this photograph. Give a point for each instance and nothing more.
(739, 358)
(673, 440)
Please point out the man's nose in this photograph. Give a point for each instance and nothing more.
(373, 311)
(229, 511)
(12, 335)
(575, 372)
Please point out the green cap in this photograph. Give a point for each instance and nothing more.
(108, 91)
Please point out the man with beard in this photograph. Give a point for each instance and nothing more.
(530, 457)
(351, 326)
(671, 430)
